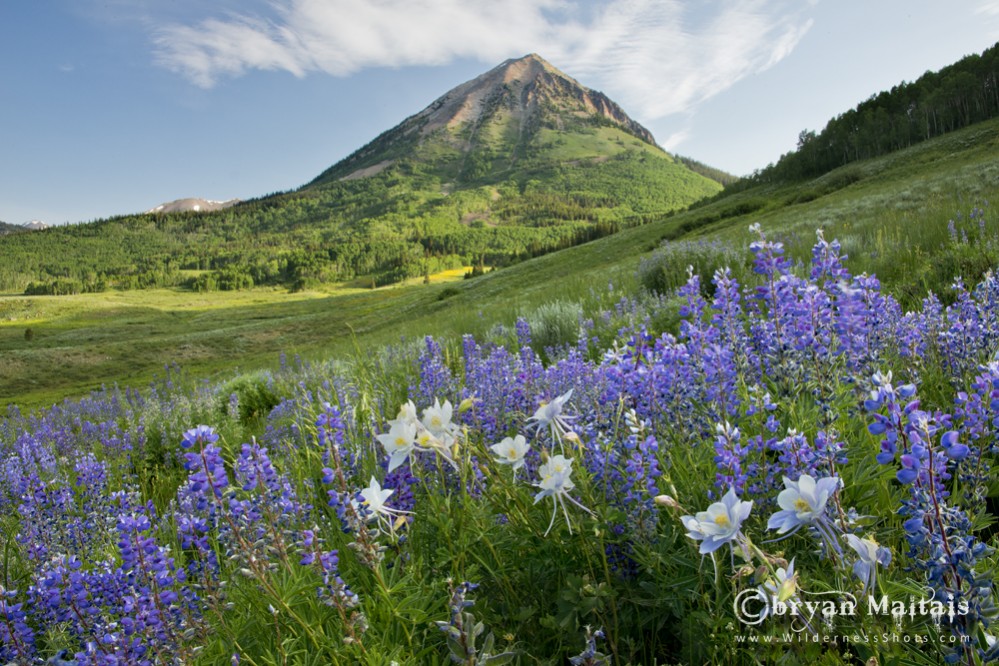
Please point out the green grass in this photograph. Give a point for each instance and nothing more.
(891, 215)
(599, 142)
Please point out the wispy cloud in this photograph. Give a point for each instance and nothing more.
(990, 9)
(657, 57)
(675, 139)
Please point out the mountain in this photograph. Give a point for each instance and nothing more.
(192, 205)
(490, 123)
(516, 163)
(35, 225)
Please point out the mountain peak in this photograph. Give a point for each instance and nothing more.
(529, 62)
(504, 111)
(523, 85)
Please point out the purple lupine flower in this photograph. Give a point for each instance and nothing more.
(17, 639)
(201, 434)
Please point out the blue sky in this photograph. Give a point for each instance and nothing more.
(114, 106)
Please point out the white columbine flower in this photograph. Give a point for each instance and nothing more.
(437, 433)
(871, 555)
(549, 415)
(374, 501)
(511, 451)
(556, 482)
(407, 413)
(803, 502)
(720, 524)
(407, 433)
(374, 497)
(437, 419)
(780, 588)
(398, 442)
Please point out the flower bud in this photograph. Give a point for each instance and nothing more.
(667, 501)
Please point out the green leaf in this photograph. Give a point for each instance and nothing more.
(498, 659)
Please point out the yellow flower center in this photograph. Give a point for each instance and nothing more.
(802, 506)
(722, 520)
(400, 441)
(512, 453)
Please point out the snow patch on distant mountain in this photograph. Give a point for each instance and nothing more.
(192, 204)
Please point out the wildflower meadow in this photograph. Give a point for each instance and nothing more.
(792, 468)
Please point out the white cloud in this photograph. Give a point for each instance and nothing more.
(675, 139)
(656, 57)
(988, 7)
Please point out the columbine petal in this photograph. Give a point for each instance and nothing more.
(719, 524)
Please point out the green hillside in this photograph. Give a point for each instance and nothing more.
(956, 96)
(516, 163)
(891, 213)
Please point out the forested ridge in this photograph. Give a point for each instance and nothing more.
(6, 228)
(956, 96)
(404, 222)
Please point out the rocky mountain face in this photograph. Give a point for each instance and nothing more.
(529, 90)
(503, 113)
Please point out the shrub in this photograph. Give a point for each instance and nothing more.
(448, 292)
(254, 396)
(665, 270)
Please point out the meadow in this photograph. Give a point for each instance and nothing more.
(890, 213)
(773, 457)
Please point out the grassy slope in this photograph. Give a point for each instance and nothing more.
(896, 204)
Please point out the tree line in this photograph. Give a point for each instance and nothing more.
(404, 222)
(954, 97)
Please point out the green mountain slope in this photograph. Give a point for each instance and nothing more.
(891, 213)
(516, 163)
(956, 96)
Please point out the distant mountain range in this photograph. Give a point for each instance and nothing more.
(34, 225)
(192, 205)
